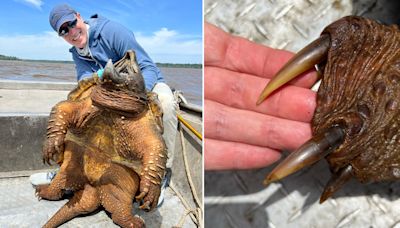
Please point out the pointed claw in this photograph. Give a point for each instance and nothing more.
(145, 206)
(140, 196)
(48, 161)
(337, 180)
(310, 152)
(304, 60)
(37, 196)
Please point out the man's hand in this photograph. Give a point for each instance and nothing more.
(239, 134)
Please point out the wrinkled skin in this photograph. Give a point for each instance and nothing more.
(360, 91)
(356, 122)
(107, 140)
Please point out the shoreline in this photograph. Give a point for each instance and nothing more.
(166, 65)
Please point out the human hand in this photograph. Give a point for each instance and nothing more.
(239, 134)
(100, 73)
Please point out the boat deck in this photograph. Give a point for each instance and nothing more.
(19, 207)
(24, 110)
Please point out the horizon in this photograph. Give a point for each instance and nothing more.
(10, 58)
(170, 32)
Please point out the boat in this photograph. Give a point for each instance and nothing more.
(24, 111)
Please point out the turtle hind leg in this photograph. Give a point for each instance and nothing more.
(337, 181)
(83, 202)
(118, 187)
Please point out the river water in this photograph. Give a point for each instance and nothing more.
(187, 80)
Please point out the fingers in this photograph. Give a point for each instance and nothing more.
(220, 155)
(238, 54)
(241, 91)
(235, 125)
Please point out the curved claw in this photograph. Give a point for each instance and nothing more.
(304, 60)
(46, 159)
(145, 206)
(337, 180)
(37, 195)
(310, 152)
(142, 194)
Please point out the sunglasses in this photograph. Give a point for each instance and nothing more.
(64, 29)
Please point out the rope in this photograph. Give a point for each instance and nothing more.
(189, 176)
(195, 214)
(195, 218)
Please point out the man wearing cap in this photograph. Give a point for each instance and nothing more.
(97, 40)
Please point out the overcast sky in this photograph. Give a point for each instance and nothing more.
(169, 30)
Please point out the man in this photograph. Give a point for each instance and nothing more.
(97, 40)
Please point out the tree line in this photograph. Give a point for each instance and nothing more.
(5, 57)
(175, 65)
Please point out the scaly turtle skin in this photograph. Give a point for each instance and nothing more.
(107, 140)
(356, 122)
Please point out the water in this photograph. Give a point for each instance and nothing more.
(188, 80)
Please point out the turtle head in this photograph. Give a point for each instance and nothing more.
(124, 74)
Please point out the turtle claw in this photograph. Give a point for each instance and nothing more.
(37, 195)
(310, 152)
(337, 180)
(304, 60)
(142, 194)
(145, 206)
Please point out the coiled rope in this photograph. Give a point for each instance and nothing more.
(196, 214)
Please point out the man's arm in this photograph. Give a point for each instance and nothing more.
(82, 67)
(123, 40)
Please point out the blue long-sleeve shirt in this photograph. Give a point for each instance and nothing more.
(110, 40)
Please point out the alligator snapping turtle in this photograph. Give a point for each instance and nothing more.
(107, 140)
(356, 123)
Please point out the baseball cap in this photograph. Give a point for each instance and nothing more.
(61, 14)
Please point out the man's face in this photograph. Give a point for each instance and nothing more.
(77, 36)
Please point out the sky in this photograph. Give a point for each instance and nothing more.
(169, 30)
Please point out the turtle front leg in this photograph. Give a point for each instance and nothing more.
(154, 161)
(140, 139)
(65, 115)
(59, 121)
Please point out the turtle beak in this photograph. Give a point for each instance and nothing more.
(304, 60)
(310, 152)
(111, 74)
